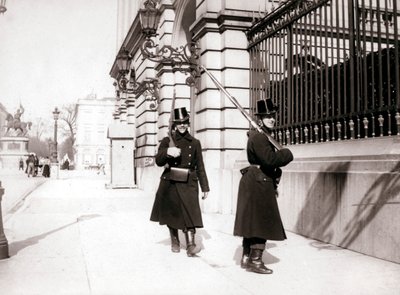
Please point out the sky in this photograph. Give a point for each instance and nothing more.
(53, 52)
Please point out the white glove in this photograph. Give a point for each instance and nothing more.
(174, 152)
(205, 195)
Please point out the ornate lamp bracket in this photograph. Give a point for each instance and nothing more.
(183, 59)
(147, 87)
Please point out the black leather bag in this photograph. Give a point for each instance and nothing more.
(179, 174)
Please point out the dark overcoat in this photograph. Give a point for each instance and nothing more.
(177, 203)
(257, 212)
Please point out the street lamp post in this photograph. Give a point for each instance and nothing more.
(56, 114)
(54, 156)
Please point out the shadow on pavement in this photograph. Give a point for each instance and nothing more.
(17, 246)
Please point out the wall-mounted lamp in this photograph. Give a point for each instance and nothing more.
(183, 58)
(149, 86)
(123, 62)
(3, 7)
(150, 17)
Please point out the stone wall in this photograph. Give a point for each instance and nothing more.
(345, 193)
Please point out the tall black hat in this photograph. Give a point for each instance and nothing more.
(265, 107)
(180, 115)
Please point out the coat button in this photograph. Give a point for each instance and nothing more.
(190, 155)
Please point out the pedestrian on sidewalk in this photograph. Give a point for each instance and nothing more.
(36, 165)
(31, 165)
(257, 214)
(46, 167)
(177, 199)
(21, 164)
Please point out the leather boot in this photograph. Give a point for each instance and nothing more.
(245, 257)
(191, 248)
(255, 263)
(175, 245)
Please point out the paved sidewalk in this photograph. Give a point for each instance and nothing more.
(17, 186)
(73, 236)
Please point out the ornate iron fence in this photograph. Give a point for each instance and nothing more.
(332, 67)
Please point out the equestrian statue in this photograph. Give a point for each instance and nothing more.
(14, 125)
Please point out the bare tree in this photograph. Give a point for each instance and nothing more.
(39, 128)
(68, 117)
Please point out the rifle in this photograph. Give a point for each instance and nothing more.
(171, 123)
(276, 144)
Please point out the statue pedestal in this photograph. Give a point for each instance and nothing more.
(11, 150)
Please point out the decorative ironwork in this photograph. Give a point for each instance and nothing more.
(365, 122)
(397, 117)
(148, 88)
(151, 3)
(281, 17)
(329, 64)
(183, 59)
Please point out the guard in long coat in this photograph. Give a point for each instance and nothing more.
(257, 214)
(177, 201)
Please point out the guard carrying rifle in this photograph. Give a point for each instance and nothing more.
(177, 199)
(257, 213)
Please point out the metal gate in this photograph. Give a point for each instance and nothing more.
(331, 66)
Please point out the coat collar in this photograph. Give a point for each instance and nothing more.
(186, 136)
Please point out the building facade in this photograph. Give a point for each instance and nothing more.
(92, 120)
(332, 67)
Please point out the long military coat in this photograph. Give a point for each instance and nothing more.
(177, 203)
(257, 212)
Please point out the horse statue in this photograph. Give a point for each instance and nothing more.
(20, 128)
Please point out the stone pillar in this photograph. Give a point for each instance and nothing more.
(130, 110)
(220, 127)
(123, 110)
(117, 112)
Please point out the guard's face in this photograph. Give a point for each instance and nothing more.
(269, 121)
(182, 127)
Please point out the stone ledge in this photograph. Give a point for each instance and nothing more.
(357, 149)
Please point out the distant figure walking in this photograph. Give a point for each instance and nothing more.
(46, 167)
(31, 165)
(21, 164)
(65, 165)
(36, 164)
